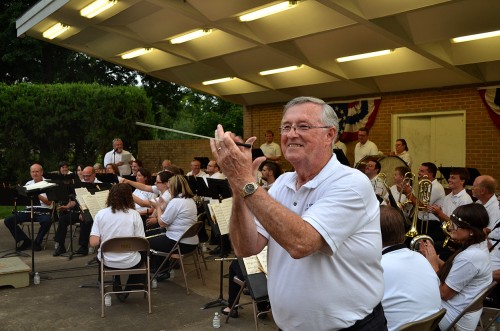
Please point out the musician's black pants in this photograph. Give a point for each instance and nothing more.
(164, 244)
(18, 234)
(62, 229)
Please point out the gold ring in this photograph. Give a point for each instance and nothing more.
(219, 148)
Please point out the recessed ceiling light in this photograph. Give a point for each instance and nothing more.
(476, 36)
(364, 55)
(266, 11)
(217, 81)
(55, 30)
(97, 7)
(190, 36)
(135, 53)
(278, 70)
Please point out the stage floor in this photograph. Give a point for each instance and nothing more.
(59, 303)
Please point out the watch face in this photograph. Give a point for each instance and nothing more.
(249, 188)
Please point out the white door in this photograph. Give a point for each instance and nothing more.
(432, 137)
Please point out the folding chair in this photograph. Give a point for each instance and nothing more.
(119, 245)
(257, 286)
(475, 305)
(175, 254)
(36, 226)
(426, 324)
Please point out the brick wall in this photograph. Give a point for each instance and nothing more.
(482, 137)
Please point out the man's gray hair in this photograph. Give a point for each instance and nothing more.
(328, 117)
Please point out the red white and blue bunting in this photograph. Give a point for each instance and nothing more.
(491, 99)
(354, 115)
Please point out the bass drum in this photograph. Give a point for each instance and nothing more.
(388, 164)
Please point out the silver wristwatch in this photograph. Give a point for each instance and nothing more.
(249, 189)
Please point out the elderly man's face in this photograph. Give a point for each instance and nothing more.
(211, 169)
(88, 175)
(36, 172)
(118, 146)
(310, 146)
(195, 167)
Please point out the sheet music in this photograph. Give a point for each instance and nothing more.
(40, 185)
(95, 202)
(256, 263)
(80, 192)
(222, 212)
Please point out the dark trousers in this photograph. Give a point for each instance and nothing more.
(12, 223)
(162, 243)
(132, 280)
(62, 228)
(372, 322)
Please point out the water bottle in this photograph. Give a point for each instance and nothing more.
(216, 321)
(36, 279)
(204, 247)
(107, 300)
(172, 274)
(154, 283)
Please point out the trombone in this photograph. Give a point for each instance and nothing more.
(423, 199)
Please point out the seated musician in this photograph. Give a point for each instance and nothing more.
(411, 286)
(66, 216)
(213, 171)
(372, 169)
(468, 271)
(112, 169)
(119, 219)
(196, 169)
(142, 198)
(397, 190)
(179, 215)
(428, 170)
(160, 189)
(41, 213)
(270, 172)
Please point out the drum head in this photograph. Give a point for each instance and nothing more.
(388, 164)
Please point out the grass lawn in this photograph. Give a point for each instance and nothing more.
(6, 211)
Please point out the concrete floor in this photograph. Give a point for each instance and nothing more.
(59, 303)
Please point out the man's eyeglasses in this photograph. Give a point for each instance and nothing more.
(284, 129)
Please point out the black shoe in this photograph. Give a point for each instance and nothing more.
(262, 315)
(162, 276)
(25, 245)
(82, 251)
(234, 313)
(37, 247)
(59, 250)
(122, 296)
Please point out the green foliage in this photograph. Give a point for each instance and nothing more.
(72, 122)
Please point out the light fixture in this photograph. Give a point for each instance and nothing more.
(278, 70)
(217, 81)
(135, 53)
(190, 36)
(266, 11)
(97, 7)
(476, 36)
(55, 31)
(364, 55)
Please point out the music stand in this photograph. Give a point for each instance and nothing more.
(341, 157)
(107, 178)
(220, 189)
(31, 193)
(8, 197)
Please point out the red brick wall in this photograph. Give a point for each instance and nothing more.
(482, 137)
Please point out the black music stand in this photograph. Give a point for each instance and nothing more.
(107, 178)
(220, 189)
(31, 194)
(8, 197)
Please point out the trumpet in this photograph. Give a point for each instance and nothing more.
(445, 226)
(423, 199)
(416, 242)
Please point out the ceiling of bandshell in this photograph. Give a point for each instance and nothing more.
(312, 34)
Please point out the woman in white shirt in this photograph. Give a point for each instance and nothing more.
(467, 272)
(119, 219)
(179, 215)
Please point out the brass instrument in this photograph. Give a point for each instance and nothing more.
(423, 199)
(415, 242)
(445, 226)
